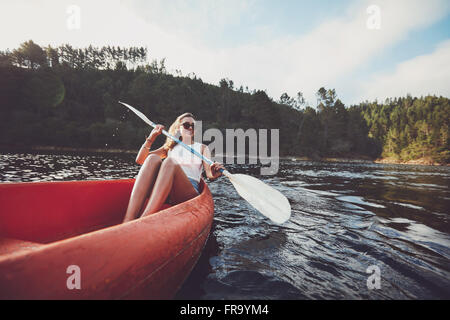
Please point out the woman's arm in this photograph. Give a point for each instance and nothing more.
(212, 171)
(144, 152)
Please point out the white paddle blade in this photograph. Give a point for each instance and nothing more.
(267, 200)
(139, 114)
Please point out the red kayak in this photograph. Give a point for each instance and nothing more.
(65, 240)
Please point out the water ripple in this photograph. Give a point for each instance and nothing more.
(345, 218)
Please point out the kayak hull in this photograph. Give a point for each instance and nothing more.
(80, 250)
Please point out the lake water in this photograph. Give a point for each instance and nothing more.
(346, 217)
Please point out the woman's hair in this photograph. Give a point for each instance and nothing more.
(169, 144)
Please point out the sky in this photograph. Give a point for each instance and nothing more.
(366, 50)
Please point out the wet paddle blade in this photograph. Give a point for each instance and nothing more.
(267, 200)
(139, 114)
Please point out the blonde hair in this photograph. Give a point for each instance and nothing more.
(169, 144)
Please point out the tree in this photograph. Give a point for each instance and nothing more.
(286, 100)
(30, 55)
(321, 96)
(52, 57)
(300, 103)
(5, 58)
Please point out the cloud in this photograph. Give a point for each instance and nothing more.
(326, 56)
(198, 23)
(187, 33)
(331, 52)
(423, 75)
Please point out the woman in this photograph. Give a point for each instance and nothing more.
(178, 175)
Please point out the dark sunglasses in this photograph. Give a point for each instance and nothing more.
(187, 125)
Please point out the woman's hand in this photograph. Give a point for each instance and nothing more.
(215, 170)
(155, 132)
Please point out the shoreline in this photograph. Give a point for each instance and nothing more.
(65, 149)
(421, 161)
(88, 150)
(355, 159)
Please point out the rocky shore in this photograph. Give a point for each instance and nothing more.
(422, 161)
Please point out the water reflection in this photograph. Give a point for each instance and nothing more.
(65, 167)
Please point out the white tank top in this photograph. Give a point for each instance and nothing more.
(190, 163)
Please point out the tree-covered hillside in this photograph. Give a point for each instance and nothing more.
(69, 97)
(410, 128)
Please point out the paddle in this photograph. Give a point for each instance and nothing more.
(270, 202)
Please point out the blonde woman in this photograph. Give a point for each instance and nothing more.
(178, 175)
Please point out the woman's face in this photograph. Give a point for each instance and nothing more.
(187, 127)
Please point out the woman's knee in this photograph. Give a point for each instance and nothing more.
(152, 160)
(169, 163)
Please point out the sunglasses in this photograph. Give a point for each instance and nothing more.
(187, 125)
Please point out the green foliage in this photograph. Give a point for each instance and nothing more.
(410, 128)
(69, 97)
(43, 89)
(29, 55)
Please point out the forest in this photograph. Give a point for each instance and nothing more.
(68, 97)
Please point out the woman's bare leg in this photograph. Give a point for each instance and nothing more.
(171, 179)
(143, 186)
